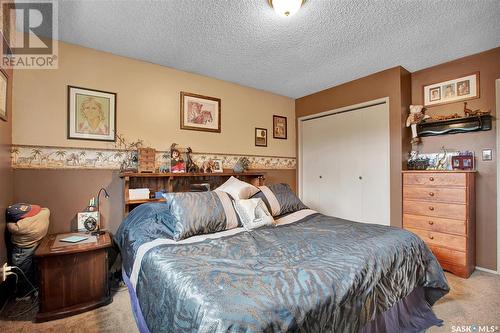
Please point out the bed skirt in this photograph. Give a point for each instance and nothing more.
(411, 314)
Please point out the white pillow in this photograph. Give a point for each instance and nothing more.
(238, 189)
(253, 213)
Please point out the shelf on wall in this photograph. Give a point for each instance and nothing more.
(454, 126)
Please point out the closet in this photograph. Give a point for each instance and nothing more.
(344, 162)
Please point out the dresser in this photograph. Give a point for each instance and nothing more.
(439, 207)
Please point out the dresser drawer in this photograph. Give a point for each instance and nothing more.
(437, 209)
(435, 179)
(449, 256)
(441, 240)
(443, 194)
(457, 227)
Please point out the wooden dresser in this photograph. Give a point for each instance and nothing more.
(439, 206)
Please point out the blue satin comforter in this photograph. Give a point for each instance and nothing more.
(319, 274)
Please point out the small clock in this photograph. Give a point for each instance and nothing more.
(88, 221)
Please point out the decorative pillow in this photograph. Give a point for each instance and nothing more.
(238, 189)
(253, 213)
(280, 199)
(198, 213)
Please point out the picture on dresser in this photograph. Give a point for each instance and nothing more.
(91, 114)
(200, 113)
(458, 89)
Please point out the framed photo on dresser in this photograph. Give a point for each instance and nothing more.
(4, 83)
(91, 114)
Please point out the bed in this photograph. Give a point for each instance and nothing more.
(306, 273)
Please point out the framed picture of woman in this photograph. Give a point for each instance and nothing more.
(91, 114)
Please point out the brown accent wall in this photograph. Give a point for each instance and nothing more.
(67, 192)
(488, 64)
(6, 179)
(393, 83)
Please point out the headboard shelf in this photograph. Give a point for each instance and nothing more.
(179, 182)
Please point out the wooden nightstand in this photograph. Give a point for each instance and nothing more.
(73, 277)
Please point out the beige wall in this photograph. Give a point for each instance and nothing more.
(147, 105)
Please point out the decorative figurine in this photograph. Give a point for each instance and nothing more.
(415, 117)
(190, 165)
(241, 165)
(208, 166)
(177, 163)
(442, 163)
(475, 113)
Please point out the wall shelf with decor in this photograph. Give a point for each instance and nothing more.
(456, 125)
(178, 182)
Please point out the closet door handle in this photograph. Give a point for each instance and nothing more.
(360, 178)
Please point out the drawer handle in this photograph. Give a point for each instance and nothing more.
(431, 222)
(431, 179)
(431, 208)
(431, 194)
(431, 237)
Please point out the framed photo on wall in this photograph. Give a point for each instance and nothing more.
(260, 137)
(279, 127)
(461, 89)
(91, 114)
(4, 83)
(200, 113)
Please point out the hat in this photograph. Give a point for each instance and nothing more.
(19, 211)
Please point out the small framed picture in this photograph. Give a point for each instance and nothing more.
(200, 113)
(279, 127)
(260, 137)
(217, 166)
(435, 94)
(4, 82)
(91, 114)
(459, 89)
(487, 154)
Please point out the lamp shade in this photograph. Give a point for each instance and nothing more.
(286, 8)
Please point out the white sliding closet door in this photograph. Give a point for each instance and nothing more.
(344, 163)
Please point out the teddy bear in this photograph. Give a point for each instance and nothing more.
(415, 117)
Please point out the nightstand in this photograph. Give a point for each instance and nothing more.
(73, 277)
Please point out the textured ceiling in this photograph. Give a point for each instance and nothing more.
(326, 43)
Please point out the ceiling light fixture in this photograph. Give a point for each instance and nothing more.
(286, 8)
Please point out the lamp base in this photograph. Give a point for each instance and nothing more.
(97, 233)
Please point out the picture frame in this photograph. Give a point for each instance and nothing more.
(200, 113)
(487, 154)
(4, 88)
(260, 137)
(279, 127)
(460, 89)
(217, 166)
(91, 114)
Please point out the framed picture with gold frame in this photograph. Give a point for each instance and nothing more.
(260, 137)
(200, 113)
(4, 87)
(91, 114)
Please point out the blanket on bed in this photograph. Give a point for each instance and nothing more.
(317, 274)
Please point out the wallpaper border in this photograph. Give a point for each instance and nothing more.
(53, 157)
